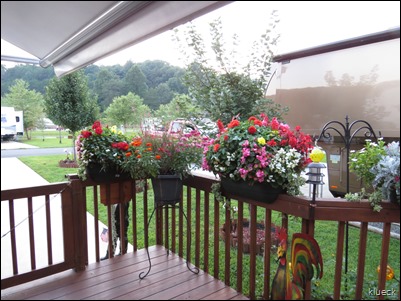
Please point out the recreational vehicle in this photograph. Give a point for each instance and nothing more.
(338, 92)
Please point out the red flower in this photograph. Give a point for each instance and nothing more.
(96, 124)
(233, 124)
(216, 147)
(86, 134)
(220, 125)
(98, 130)
(275, 124)
(252, 130)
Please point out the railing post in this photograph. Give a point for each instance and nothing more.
(79, 225)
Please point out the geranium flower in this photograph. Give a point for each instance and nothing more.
(276, 154)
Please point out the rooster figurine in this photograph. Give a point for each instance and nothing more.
(305, 253)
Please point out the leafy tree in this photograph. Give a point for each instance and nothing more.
(135, 81)
(107, 86)
(35, 76)
(28, 101)
(159, 95)
(219, 86)
(180, 107)
(68, 103)
(127, 110)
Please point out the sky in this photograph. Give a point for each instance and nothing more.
(303, 24)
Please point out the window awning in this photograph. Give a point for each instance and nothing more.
(70, 35)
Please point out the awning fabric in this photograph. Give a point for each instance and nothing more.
(73, 34)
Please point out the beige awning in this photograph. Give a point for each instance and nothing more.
(70, 35)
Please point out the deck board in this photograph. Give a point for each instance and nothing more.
(118, 278)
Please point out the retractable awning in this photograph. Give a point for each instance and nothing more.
(70, 35)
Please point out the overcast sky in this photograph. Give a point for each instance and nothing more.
(302, 25)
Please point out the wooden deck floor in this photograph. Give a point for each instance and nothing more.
(118, 278)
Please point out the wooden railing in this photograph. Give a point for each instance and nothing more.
(200, 243)
(30, 223)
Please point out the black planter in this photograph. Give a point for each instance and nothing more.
(95, 173)
(393, 197)
(261, 192)
(167, 189)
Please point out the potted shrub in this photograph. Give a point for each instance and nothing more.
(378, 166)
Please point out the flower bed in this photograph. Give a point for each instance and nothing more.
(246, 236)
(68, 164)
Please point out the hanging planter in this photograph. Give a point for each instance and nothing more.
(167, 189)
(115, 193)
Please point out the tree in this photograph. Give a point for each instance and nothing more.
(127, 110)
(135, 81)
(28, 101)
(107, 86)
(159, 95)
(68, 103)
(180, 107)
(219, 86)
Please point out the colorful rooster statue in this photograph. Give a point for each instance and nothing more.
(305, 253)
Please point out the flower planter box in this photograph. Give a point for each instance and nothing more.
(68, 164)
(115, 192)
(95, 173)
(260, 235)
(261, 192)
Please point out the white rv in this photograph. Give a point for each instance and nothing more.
(12, 124)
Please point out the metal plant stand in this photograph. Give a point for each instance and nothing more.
(345, 132)
(194, 270)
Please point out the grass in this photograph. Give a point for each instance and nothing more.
(325, 234)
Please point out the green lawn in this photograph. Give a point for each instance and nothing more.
(325, 234)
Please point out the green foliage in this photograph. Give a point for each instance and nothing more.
(28, 101)
(180, 107)
(375, 198)
(107, 86)
(135, 81)
(222, 89)
(108, 82)
(127, 110)
(36, 76)
(68, 103)
(158, 96)
(378, 165)
(363, 160)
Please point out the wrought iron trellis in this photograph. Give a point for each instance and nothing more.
(347, 134)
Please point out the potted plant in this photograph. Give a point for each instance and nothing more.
(378, 166)
(165, 160)
(102, 151)
(259, 153)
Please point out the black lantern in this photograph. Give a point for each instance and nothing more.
(315, 176)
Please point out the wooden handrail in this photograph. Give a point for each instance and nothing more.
(197, 195)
